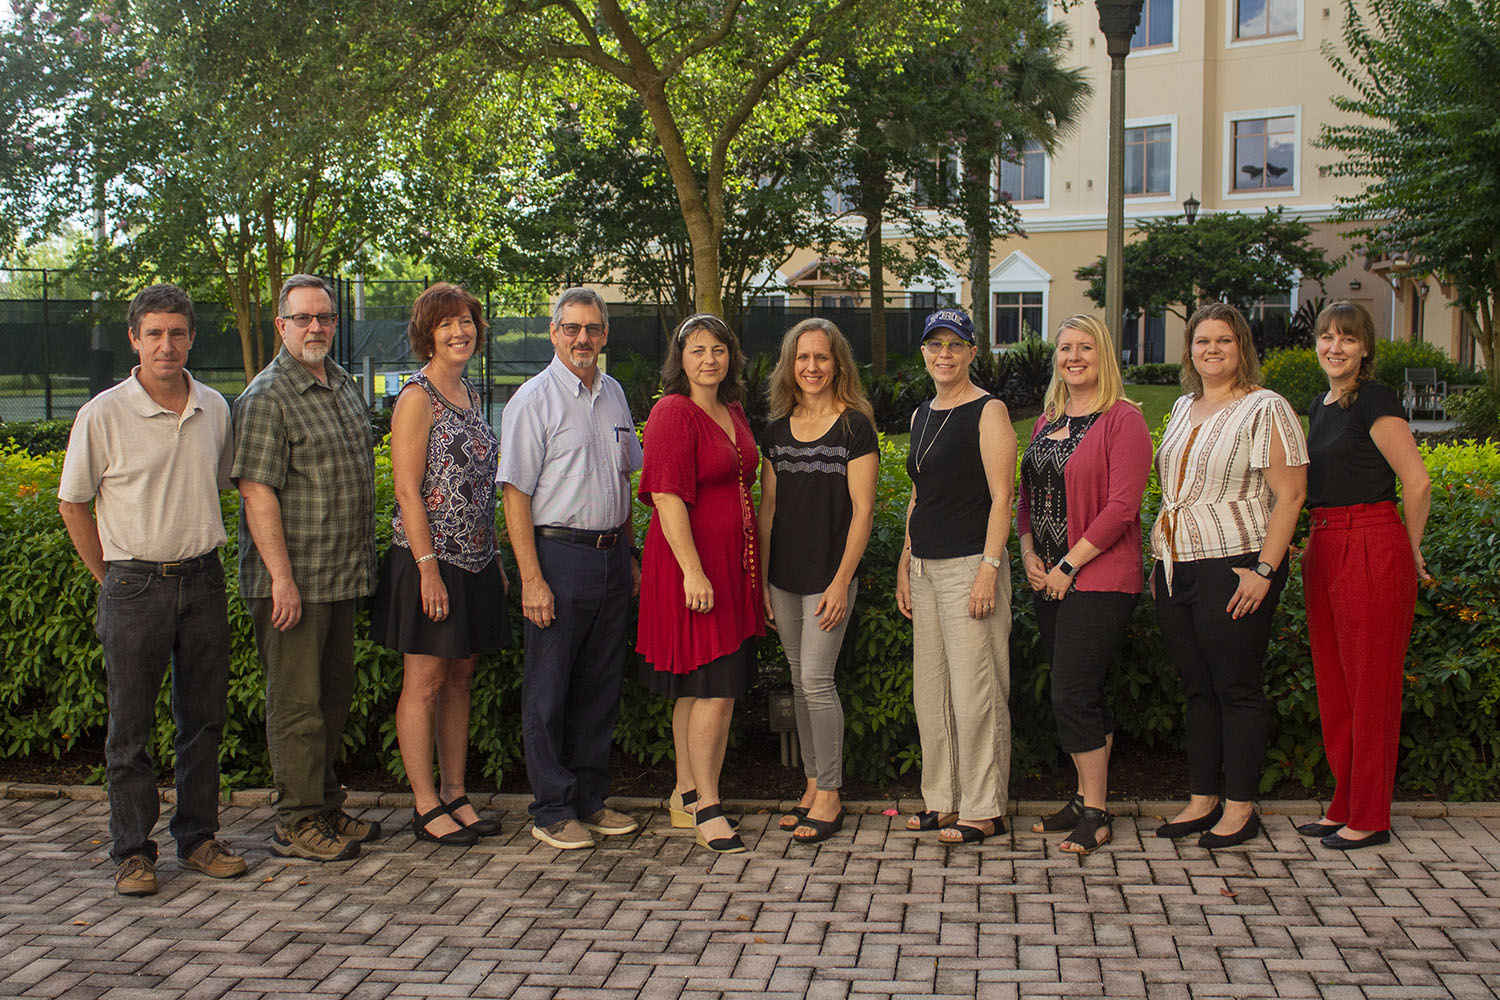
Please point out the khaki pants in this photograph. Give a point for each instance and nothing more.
(309, 685)
(961, 688)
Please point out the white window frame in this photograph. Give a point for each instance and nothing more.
(1171, 195)
(1231, 22)
(1044, 202)
(1019, 273)
(1158, 50)
(1267, 194)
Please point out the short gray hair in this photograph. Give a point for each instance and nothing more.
(580, 296)
(297, 281)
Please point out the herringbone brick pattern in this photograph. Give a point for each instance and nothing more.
(873, 912)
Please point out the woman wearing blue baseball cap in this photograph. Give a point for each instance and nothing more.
(953, 582)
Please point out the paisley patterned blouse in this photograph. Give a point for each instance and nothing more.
(458, 483)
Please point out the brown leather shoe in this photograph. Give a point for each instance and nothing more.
(214, 859)
(565, 835)
(136, 876)
(352, 827)
(609, 823)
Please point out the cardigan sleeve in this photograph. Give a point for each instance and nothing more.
(1127, 451)
(1023, 495)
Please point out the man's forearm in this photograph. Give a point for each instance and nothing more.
(84, 531)
(263, 516)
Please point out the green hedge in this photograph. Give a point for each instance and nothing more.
(52, 692)
(1294, 372)
(1154, 373)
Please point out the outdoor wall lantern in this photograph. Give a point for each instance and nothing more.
(1190, 208)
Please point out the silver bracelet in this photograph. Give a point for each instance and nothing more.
(421, 559)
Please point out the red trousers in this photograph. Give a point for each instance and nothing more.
(1360, 584)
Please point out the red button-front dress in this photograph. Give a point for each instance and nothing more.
(689, 455)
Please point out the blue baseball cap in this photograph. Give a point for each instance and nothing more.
(950, 319)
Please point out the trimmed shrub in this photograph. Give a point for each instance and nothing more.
(1393, 357)
(1153, 374)
(1477, 411)
(36, 437)
(1295, 373)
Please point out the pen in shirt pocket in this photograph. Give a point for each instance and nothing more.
(621, 430)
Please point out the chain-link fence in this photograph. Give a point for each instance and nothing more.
(62, 341)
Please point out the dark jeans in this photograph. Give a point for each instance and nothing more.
(309, 686)
(1080, 635)
(571, 694)
(1219, 660)
(145, 622)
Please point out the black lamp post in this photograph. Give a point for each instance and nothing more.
(1190, 208)
(1117, 20)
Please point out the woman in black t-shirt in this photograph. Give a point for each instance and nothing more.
(817, 500)
(1359, 574)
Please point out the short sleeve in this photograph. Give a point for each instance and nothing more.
(522, 445)
(261, 449)
(1376, 400)
(862, 437)
(225, 476)
(1273, 414)
(83, 464)
(671, 460)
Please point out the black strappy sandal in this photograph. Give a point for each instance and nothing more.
(1085, 836)
(1065, 818)
(825, 828)
(719, 845)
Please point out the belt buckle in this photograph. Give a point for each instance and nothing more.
(171, 568)
(607, 540)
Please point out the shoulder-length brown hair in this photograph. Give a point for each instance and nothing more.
(1248, 376)
(674, 379)
(433, 306)
(782, 392)
(1351, 318)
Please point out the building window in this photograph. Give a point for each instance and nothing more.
(1156, 26)
(1017, 315)
(1148, 160)
(1264, 18)
(1270, 320)
(1265, 152)
(937, 181)
(1024, 178)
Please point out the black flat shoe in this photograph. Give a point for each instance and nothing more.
(1213, 840)
(1171, 831)
(462, 837)
(719, 845)
(480, 827)
(1339, 843)
(1065, 818)
(1318, 829)
(825, 828)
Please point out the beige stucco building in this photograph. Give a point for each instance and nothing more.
(1224, 99)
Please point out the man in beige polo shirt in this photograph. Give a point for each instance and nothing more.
(152, 454)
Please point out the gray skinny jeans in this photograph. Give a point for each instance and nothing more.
(813, 654)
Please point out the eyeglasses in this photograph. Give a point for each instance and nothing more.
(952, 346)
(574, 329)
(303, 320)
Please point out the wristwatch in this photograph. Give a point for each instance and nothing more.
(1067, 567)
(991, 560)
(1264, 569)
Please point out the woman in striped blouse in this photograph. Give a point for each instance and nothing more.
(1233, 471)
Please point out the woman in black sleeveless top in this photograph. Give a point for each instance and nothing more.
(953, 581)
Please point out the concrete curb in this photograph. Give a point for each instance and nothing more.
(261, 797)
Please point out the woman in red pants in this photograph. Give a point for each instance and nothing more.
(1360, 574)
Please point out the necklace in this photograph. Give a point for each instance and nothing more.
(922, 452)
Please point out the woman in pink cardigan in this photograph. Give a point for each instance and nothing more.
(1079, 518)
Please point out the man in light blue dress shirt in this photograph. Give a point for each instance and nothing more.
(567, 449)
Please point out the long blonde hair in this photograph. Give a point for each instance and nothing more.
(782, 392)
(1111, 383)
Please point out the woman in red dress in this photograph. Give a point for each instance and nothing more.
(701, 599)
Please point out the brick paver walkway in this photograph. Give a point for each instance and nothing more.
(875, 911)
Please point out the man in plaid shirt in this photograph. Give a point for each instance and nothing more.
(305, 470)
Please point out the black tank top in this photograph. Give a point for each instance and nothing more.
(953, 497)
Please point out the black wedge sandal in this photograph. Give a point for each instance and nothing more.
(1085, 836)
(1065, 818)
(719, 845)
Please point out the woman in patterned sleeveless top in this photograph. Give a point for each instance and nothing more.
(441, 599)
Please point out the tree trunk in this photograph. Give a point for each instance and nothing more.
(976, 196)
(877, 290)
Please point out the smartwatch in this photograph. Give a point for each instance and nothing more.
(1264, 569)
(1067, 567)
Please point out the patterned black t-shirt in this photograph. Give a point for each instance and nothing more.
(813, 510)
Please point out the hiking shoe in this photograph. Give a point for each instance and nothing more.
(565, 835)
(610, 823)
(313, 838)
(214, 859)
(136, 876)
(351, 828)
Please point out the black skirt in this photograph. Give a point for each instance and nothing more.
(478, 618)
(730, 676)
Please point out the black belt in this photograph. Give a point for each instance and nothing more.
(180, 568)
(593, 539)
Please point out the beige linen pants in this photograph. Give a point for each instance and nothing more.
(961, 688)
